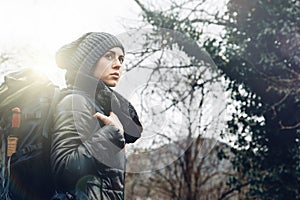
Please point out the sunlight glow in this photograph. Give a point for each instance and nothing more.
(45, 63)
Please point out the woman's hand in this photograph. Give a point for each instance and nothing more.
(112, 119)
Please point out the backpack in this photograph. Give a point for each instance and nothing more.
(27, 101)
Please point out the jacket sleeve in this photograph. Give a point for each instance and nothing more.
(79, 145)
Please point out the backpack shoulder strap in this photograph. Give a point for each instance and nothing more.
(48, 119)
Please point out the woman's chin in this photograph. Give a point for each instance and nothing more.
(111, 83)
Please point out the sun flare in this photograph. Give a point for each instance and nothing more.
(45, 64)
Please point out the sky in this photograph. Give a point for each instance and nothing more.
(51, 22)
(35, 29)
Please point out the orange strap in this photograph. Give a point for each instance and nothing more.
(16, 118)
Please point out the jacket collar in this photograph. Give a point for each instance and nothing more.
(109, 100)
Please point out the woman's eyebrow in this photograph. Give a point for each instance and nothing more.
(111, 52)
(114, 52)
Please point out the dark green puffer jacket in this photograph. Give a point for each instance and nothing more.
(87, 157)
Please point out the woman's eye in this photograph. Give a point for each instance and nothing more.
(121, 59)
(109, 56)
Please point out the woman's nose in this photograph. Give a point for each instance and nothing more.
(117, 64)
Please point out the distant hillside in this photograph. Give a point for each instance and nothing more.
(158, 173)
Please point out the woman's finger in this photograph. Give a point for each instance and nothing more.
(103, 118)
(116, 121)
(112, 119)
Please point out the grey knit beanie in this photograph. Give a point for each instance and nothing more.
(84, 53)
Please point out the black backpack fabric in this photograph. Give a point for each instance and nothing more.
(27, 100)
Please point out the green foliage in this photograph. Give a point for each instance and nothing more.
(259, 55)
(265, 64)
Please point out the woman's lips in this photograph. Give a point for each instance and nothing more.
(115, 75)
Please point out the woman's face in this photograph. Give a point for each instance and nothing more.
(108, 68)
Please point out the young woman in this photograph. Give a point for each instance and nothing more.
(92, 123)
